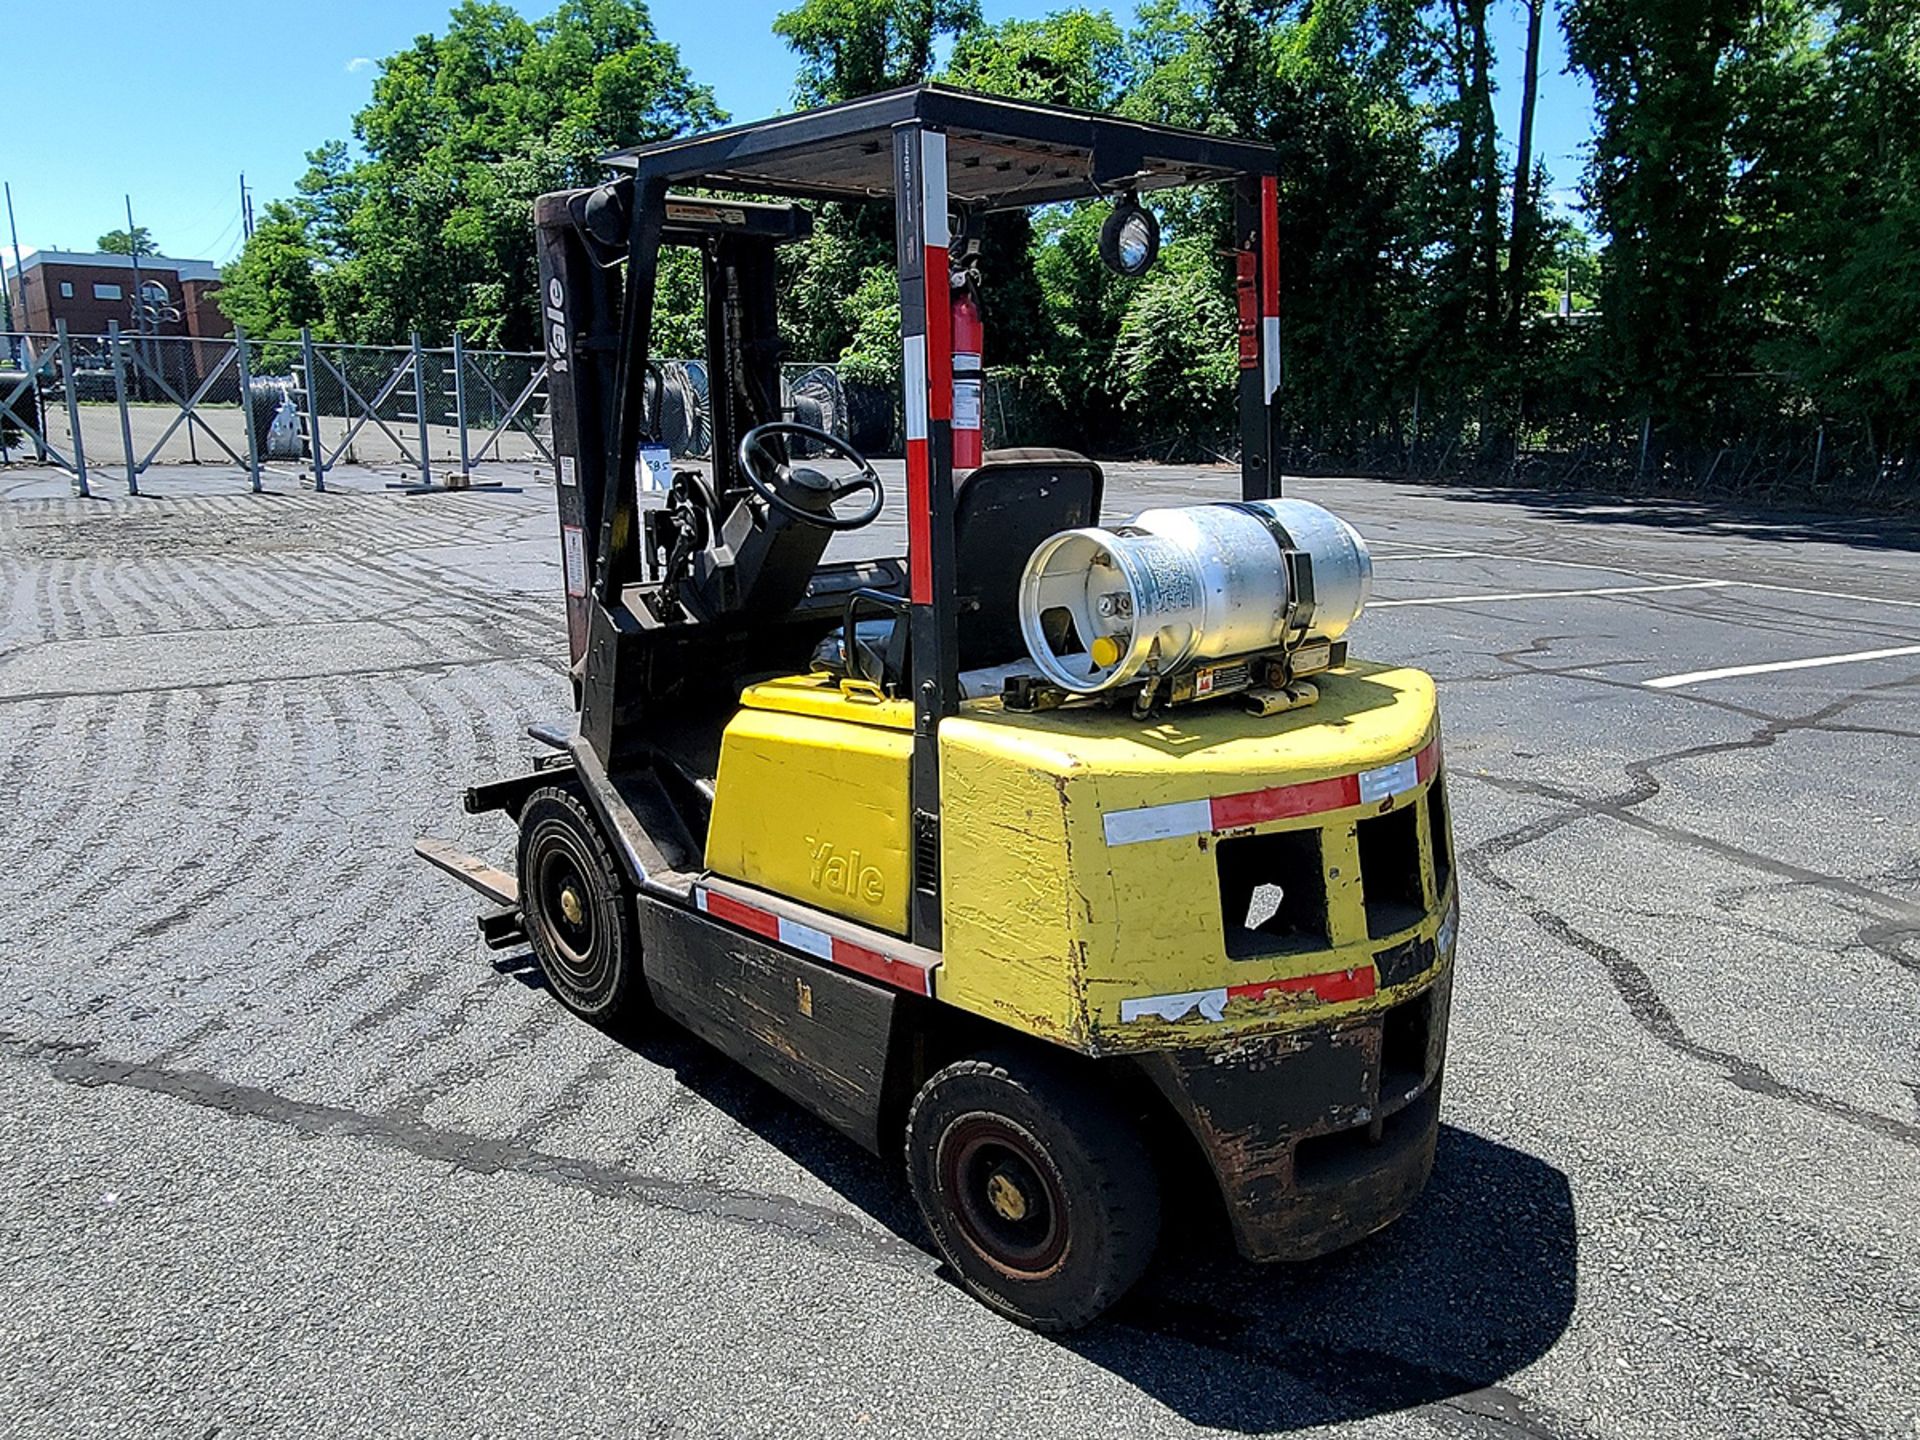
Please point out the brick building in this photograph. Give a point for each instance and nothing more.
(89, 289)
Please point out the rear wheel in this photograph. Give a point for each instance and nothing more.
(1038, 1190)
(577, 910)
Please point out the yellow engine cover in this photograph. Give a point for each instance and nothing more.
(1082, 862)
(811, 799)
(1089, 860)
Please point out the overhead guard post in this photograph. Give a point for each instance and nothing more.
(1256, 228)
(921, 238)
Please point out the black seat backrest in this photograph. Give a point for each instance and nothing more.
(1002, 510)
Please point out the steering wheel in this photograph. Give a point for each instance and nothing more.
(754, 452)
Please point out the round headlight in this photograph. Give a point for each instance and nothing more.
(1130, 239)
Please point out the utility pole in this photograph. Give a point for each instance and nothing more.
(19, 270)
(139, 296)
(246, 208)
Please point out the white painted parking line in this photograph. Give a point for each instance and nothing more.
(1694, 677)
(1552, 594)
(1522, 558)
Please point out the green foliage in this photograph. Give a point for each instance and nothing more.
(428, 227)
(119, 242)
(849, 48)
(1834, 189)
(1747, 264)
(273, 287)
(1074, 57)
(872, 355)
(679, 304)
(1174, 355)
(1658, 187)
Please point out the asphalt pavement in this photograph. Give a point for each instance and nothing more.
(285, 1151)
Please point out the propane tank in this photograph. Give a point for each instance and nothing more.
(1176, 587)
(969, 378)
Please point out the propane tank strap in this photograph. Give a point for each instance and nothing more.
(1297, 565)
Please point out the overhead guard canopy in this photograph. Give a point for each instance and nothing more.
(1001, 154)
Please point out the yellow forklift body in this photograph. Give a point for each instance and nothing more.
(810, 801)
(1086, 855)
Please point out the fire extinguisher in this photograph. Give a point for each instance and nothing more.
(969, 378)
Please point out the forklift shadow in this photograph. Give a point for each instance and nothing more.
(855, 1174)
(1474, 1283)
(1471, 1285)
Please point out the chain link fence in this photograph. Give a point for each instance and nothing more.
(110, 408)
(113, 407)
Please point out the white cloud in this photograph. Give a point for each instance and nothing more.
(357, 63)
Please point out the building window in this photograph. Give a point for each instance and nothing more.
(66, 289)
(105, 292)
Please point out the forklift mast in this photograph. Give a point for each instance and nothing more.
(583, 236)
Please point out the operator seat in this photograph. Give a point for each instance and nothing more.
(1002, 510)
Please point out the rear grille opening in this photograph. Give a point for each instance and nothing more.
(1273, 894)
(1403, 1047)
(1346, 1155)
(1442, 830)
(1390, 871)
(1400, 963)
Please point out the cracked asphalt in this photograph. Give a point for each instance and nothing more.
(283, 1150)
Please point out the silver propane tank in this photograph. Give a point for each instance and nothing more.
(1172, 588)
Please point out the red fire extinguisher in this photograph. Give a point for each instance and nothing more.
(969, 378)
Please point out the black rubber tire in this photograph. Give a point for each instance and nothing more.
(592, 965)
(1090, 1164)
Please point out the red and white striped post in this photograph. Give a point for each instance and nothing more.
(1256, 223)
(926, 339)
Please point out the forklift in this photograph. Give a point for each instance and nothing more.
(1074, 862)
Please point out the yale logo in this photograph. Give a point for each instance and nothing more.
(841, 873)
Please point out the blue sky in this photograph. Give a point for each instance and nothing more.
(176, 100)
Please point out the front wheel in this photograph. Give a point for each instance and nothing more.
(1038, 1189)
(577, 910)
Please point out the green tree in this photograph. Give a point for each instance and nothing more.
(834, 300)
(1335, 88)
(849, 48)
(273, 287)
(428, 226)
(1072, 57)
(119, 242)
(1665, 93)
(1827, 170)
(1173, 355)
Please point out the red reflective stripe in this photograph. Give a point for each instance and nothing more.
(857, 958)
(747, 917)
(875, 966)
(919, 525)
(939, 334)
(1428, 760)
(1355, 984)
(1284, 802)
(1269, 245)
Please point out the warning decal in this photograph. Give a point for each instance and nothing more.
(573, 544)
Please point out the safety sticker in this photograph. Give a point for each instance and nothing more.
(966, 405)
(573, 544)
(1334, 986)
(566, 471)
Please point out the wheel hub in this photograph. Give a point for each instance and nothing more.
(1004, 1202)
(1005, 1195)
(571, 907)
